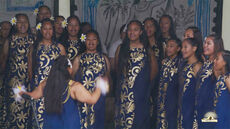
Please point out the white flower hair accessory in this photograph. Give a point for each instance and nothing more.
(83, 37)
(13, 21)
(103, 84)
(64, 23)
(38, 27)
(52, 18)
(17, 90)
(35, 12)
(69, 63)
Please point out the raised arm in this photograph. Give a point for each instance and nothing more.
(37, 92)
(78, 92)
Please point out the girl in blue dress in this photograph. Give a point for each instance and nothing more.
(136, 66)
(206, 81)
(17, 51)
(45, 51)
(71, 38)
(168, 87)
(87, 67)
(187, 82)
(222, 89)
(60, 95)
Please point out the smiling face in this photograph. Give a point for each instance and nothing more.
(58, 25)
(165, 24)
(73, 27)
(208, 47)
(172, 48)
(47, 30)
(134, 32)
(150, 28)
(187, 49)
(22, 24)
(188, 34)
(43, 13)
(91, 42)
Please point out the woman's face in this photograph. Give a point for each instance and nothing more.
(150, 28)
(58, 25)
(172, 48)
(188, 34)
(165, 24)
(91, 42)
(187, 49)
(73, 27)
(47, 30)
(22, 25)
(208, 47)
(44, 13)
(134, 32)
(219, 62)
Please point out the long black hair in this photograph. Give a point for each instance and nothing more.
(156, 25)
(39, 9)
(226, 57)
(11, 30)
(172, 31)
(58, 78)
(197, 35)
(125, 46)
(195, 43)
(14, 29)
(218, 43)
(38, 40)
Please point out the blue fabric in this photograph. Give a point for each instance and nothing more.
(68, 119)
(133, 104)
(45, 58)
(168, 94)
(187, 87)
(222, 103)
(18, 114)
(73, 49)
(205, 95)
(92, 65)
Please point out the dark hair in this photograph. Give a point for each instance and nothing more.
(197, 35)
(195, 43)
(177, 41)
(11, 30)
(99, 49)
(39, 39)
(58, 78)
(156, 25)
(39, 9)
(14, 29)
(83, 24)
(226, 57)
(58, 16)
(65, 36)
(218, 43)
(172, 31)
(122, 28)
(125, 46)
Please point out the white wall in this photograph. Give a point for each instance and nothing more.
(64, 8)
(225, 24)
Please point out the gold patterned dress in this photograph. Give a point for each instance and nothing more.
(46, 54)
(18, 113)
(92, 65)
(74, 49)
(132, 105)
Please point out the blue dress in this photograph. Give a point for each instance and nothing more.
(205, 95)
(18, 113)
(186, 97)
(168, 94)
(222, 103)
(68, 119)
(92, 65)
(133, 98)
(74, 49)
(46, 54)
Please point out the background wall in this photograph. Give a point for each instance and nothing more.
(225, 24)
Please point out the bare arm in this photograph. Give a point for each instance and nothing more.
(62, 48)
(107, 74)
(4, 55)
(30, 69)
(75, 68)
(117, 58)
(153, 65)
(78, 92)
(37, 92)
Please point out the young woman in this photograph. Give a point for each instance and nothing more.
(167, 31)
(222, 90)
(71, 39)
(87, 67)
(16, 52)
(187, 82)
(206, 81)
(45, 51)
(60, 93)
(137, 67)
(168, 87)
(58, 27)
(43, 13)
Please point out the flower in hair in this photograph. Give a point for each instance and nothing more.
(13, 21)
(83, 37)
(52, 18)
(64, 24)
(35, 11)
(38, 27)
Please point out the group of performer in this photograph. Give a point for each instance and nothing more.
(158, 80)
